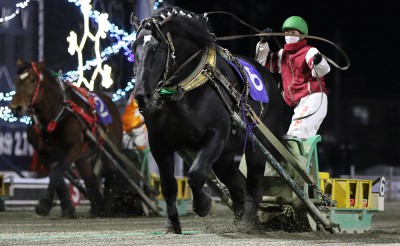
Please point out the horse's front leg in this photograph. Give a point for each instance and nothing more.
(169, 186)
(56, 184)
(213, 145)
(67, 209)
(46, 201)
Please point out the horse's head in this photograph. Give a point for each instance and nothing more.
(163, 43)
(27, 85)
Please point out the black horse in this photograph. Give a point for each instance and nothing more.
(62, 116)
(175, 52)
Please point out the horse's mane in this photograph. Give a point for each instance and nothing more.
(188, 24)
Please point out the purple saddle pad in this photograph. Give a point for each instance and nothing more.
(257, 89)
(102, 110)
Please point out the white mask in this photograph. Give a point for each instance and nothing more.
(291, 39)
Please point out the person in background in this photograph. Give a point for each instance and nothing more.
(135, 131)
(302, 69)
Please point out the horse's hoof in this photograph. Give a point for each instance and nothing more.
(173, 226)
(43, 211)
(43, 208)
(246, 227)
(45, 204)
(238, 216)
(249, 226)
(173, 230)
(68, 213)
(204, 207)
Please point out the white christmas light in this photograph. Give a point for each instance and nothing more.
(18, 6)
(103, 27)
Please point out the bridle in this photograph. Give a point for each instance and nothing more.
(38, 84)
(58, 108)
(167, 40)
(163, 87)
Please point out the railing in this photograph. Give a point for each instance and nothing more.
(392, 185)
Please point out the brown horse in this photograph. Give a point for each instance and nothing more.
(62, 117)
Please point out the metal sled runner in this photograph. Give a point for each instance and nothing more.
(298, 198)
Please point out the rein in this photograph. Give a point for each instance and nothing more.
(347, 60)
(277, 34)
(170, 45)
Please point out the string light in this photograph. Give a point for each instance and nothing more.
(123, 38)
(6, 97)
(157, 4)
(18, 6)
(123, 92)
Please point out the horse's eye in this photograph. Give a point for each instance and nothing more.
(159, 50)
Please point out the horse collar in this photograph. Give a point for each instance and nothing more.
(196, 79)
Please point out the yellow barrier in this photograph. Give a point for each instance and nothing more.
(348, 193)
(323, 180)
(183, 187)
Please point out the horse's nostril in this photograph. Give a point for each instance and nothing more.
(148, 95)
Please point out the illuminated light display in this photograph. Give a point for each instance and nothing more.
(77, 47)
(123, 38)
(18, 6)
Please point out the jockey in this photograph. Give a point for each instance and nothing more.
(135, 131)
(302, 69)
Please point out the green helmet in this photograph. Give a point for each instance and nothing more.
(297, 23)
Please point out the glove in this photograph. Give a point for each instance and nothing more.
(317, 59)
(262, 51)
(264, 39)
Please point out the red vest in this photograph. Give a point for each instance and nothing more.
(296, 73)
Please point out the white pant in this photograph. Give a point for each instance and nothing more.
(308, 127)
(136, 139)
